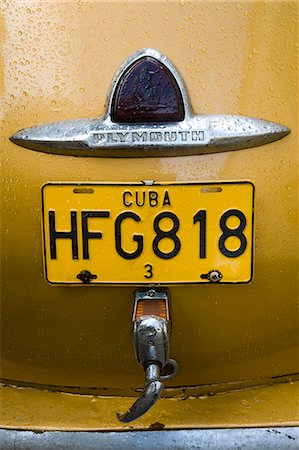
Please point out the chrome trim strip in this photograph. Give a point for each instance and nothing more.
(277, 438)
(196, 134)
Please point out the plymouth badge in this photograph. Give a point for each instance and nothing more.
(148, 114)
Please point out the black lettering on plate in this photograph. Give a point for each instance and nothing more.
(125, 200)
(166, 200)
(237, 232)
(153, 198)
(136, 237)
(149, 271)
(86, 235)
(201, 217)
(140, 201)
(54, 234)
(170, 234)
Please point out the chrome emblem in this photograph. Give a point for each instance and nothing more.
(148, 114)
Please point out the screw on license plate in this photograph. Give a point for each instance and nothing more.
(214, 276)
(85, 276)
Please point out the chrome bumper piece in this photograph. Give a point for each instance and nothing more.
(284, 438)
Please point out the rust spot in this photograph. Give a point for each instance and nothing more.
(156, 426)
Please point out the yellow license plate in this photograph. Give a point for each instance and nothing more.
(135, 233)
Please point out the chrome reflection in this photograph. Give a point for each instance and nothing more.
(151, 332)
(150, 394)
(196, 134)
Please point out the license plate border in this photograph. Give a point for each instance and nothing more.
(148, 183)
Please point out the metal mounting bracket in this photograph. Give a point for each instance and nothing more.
(151, 332)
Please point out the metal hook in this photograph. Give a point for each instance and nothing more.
(151, 330)
(150, 394)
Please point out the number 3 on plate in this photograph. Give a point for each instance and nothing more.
(149, 271)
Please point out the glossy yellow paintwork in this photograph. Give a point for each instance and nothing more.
(181, 202)
(57, 60)
(37, 409)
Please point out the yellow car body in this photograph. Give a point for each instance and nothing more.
(67, 360)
